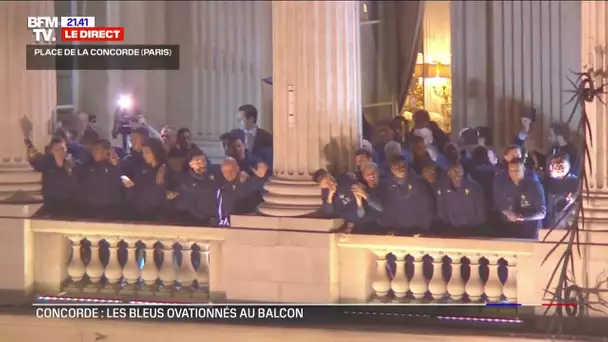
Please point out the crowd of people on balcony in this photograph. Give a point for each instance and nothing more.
(414, 180)
(157, 177)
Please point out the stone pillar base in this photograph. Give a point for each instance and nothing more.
(19, 184)
(290, 198)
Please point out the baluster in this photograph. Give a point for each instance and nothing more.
(456, 286)
(95, 268)
(437, 285)
(168, 271)
(400, 284)
(131, 271)
(186, 274)
(418, 284)
(493, 288)
(76, 268)
(113, 271)
(149, 273)
(202, 272)
(474, 286)
(510, 286)
(381, 282)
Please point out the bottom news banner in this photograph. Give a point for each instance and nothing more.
(317, 314)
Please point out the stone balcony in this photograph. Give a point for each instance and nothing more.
(289, 260)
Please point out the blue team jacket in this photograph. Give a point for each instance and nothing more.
(525, 198)
(146, 195)
(199, 195)
(58, 184)
(460, 207)
(407, 204)
(101, 185)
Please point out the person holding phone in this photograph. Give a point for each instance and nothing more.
(102, 190)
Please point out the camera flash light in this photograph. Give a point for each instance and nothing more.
(125, 102)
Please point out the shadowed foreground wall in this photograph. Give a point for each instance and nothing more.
(30, 329)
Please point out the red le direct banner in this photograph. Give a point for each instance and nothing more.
(92, 34)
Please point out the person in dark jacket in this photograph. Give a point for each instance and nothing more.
(101, 184)
(237, 150)
(134, 160)
(362, 157)
(559, 136)
(520, 200)
(562, 189)
(392, 150)
(534, 160)
(228, 195)
(145, 194)
(78, 152)
(408, 207)
(177, 161)
(422, 119)
(257, 141)
(184, 143)
(385, 134)
(369, 193)
(461, 208)
(420, 155)
(241, 193)
(483, 172)
(559, 139)
(60, 177)
(339, 199)
(198, 195)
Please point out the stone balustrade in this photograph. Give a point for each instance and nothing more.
(288, 260)
(440, 270)
(127, 261)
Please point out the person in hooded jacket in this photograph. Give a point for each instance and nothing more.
(146, 194)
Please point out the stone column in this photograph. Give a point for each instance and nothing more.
(22, 93)
(594, 40)
(317, 99)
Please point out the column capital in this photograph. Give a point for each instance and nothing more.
(317, 99)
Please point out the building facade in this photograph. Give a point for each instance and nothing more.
(281, 257)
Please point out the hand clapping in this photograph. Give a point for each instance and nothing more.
(261, 170)
(358, 191)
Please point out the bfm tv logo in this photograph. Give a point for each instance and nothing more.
(73, 29)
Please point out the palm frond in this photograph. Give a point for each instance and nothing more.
(584, 92)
